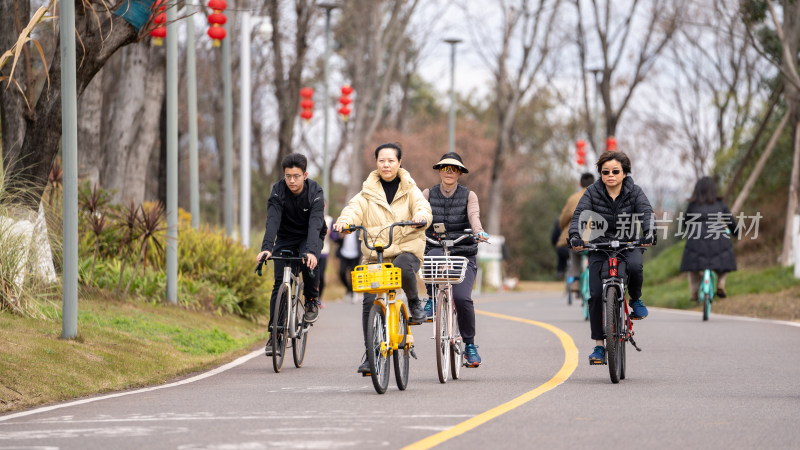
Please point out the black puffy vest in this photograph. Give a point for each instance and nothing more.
(452, 212)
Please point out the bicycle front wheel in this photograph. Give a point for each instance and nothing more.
(301, 332)
(378, 349)
(613, 335)
(279, 328)
(706, 305)
(457, 358)
(401, 356)
(442, 335)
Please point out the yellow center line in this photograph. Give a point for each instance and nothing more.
(569, 366)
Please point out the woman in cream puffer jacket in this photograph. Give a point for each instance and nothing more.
(389, 195)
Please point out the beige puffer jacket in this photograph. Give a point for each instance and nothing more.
(370, 209)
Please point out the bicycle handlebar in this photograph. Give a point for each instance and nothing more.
(282, 258)
(407, 223)
(452, 242)
(613, 245)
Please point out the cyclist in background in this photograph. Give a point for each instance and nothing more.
(457, 208)
(620, 203)
(704, 248)
(574, 266)
(295, 221)
(389, 195)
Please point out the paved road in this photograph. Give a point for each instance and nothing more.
(727, 383)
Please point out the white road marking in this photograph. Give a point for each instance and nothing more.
(202, 376)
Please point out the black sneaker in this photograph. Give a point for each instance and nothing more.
(363, 369)
(417, 311)
(268, 348)
(312, 311)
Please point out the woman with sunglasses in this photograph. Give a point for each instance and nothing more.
(617, 204)
(457, 208)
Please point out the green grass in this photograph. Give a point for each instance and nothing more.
(665, 286)
(120, 345)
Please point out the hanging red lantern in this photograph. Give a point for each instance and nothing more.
(611, 144)
(580, 152)
(160, 31)
(216, 31)
(345, 100)
(307, 104)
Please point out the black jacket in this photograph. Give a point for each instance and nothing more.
(305, 225)
(708, 244)
(619, 214)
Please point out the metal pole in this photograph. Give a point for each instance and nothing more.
(172, 155)
(326, 174)
(244, 177)
(451, 140)
(69, 143)
(191, 88)
(228, 124)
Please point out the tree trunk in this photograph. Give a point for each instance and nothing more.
(90, 109)
(133, 121)
(14, 113)
(791, 208)
(28, 164)
(762, 161)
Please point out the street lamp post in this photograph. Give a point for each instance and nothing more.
(451, 141)
(326, 174)
(596, 122)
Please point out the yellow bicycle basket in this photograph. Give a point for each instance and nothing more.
(375, 278)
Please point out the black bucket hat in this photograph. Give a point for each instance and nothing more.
(451, 159)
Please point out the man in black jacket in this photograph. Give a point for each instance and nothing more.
(295, 221)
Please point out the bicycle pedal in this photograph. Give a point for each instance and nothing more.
(412, 352)
(365, 374)
(597, 363)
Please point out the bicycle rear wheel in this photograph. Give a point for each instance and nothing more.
(442, 335)
(612, 330)
(378, 349)
(456, 349)
(401, 356)
(279, 330)
(706, 305)
(301, 331)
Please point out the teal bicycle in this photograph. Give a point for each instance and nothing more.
(708, 287)
(583, 286)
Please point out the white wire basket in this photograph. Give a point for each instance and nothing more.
(443, 269)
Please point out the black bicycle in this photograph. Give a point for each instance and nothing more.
(289, 321)
(617, 323)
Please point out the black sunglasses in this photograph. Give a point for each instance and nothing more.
(606, 172)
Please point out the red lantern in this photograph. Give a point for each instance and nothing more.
(580, 152)
(216, 31)
(345, 100)
(611, 144)
(307, 104)
(160, 31)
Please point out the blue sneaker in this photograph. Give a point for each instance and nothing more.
(639, 310)
(598, 356)
(473, 358)
(429, 309)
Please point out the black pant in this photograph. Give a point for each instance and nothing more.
(346, 266)
(409, 266)
(310, 284)
(598, 269)
(322, 262)
(462, 294)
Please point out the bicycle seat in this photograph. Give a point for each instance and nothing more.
(288, 253)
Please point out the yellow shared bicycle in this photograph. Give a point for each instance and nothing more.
(387, 327)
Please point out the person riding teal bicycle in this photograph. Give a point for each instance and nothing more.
(574, 267)
(457, 208)
(612, 206)
(707, 225)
